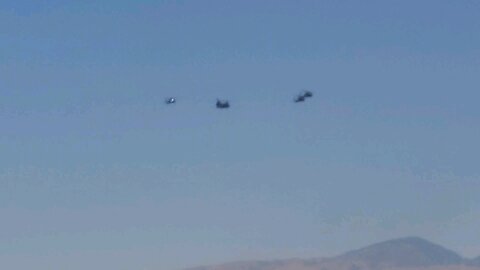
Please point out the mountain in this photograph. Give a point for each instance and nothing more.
(403, 252)
(411, 253)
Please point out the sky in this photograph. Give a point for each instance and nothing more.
(96, 172)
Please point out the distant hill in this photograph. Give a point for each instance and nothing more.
(403, 252)
(412, 253)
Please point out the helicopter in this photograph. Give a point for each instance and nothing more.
(303, 96)
(170, 100)
(299, 98)
(222, 104)
(307, 94)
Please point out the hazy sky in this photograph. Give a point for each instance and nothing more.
(96, 172)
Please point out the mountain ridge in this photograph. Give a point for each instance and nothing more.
(401, 253)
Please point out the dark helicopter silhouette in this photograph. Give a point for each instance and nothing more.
(303, 96)
(299, 98)
(307, 94)
(170, 100)
(222, 104)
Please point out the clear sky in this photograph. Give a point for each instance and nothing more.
(96, 172)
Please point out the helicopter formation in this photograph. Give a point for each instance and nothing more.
(225, 104)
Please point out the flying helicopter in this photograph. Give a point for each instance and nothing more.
(307, 94)
(222, 104)
(299, 98)
(170, 100)
(303, 96)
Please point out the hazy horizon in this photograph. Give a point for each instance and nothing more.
(97, 172)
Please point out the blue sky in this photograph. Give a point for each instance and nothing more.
(97, 173)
